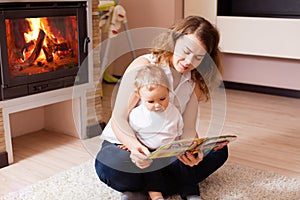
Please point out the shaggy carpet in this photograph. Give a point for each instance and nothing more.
(228, 183)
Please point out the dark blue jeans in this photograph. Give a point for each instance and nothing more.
(169, 176)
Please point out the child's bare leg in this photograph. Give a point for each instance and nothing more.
(155, 195)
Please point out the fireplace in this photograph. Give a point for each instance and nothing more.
(43, 47)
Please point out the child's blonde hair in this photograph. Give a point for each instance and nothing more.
(150, 76)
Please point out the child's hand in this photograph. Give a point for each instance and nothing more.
(139, 157)
(122, 146)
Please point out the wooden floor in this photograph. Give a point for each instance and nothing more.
(41, 155)
(268, 129)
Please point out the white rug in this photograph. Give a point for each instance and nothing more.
(228, 183)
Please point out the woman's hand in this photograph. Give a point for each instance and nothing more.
(139, 156)
(191, 159)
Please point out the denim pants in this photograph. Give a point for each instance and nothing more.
(169, 176)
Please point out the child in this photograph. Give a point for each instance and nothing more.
(155, 121)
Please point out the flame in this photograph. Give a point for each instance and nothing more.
(42, 44)
(35, 25)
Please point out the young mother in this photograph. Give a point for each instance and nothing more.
(181, 53)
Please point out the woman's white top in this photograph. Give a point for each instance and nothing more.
(179, 96)
(154, 129)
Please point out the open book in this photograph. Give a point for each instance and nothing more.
(193, 145)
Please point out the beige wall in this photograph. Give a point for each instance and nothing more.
(156, 13)
(142, 13)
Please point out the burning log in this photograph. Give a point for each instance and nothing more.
(48, 54)
(62, 47)
(50, 44)
(26, 48)
(37, 48)
(54, 47)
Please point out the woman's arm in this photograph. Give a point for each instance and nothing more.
(189, 130)
(119, 122)
(190, 118)
(126, 99)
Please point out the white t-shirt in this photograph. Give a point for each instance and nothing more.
(154, 129)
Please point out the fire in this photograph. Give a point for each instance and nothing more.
(37, 24)
(31, 36)
(48, 43)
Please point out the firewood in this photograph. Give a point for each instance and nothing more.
(37, 48)
(62, 47)
(50, 44)
(48, 54)
(26, 48)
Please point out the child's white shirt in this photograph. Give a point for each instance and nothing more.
(154, 129)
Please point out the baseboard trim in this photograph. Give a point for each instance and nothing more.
(262, 89)
(3, 159)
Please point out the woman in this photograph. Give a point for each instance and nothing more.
(182, 53)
